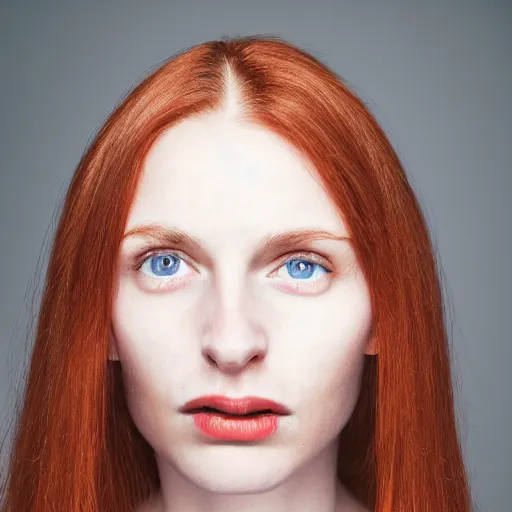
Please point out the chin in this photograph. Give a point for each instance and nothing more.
(236, 469)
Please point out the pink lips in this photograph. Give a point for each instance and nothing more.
(235, 419)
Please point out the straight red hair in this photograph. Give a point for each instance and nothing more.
(75, 446)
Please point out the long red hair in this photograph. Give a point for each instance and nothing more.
(75, 447)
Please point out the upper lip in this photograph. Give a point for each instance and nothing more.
(245, 405)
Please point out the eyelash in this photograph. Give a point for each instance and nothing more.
(306, 256)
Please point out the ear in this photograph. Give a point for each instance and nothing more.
(372, 347)
(112, 355)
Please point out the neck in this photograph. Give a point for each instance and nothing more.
(314, 486)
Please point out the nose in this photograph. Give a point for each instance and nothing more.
(233, 339)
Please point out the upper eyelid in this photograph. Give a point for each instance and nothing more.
(306, 255)
(139, 260)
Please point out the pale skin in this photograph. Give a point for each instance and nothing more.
(232, 320)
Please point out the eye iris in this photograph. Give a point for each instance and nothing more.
(300, 268)
(165, 263)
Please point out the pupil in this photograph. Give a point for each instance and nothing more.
(300, 269)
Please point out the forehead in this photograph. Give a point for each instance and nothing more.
(214, 175)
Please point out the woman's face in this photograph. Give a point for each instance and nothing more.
(243, 312)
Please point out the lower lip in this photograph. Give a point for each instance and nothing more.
(236, 428)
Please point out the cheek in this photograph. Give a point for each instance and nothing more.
(148, 327)
(143, 359)
(327, 335)
(332, 367)
(324, 357)
(154, 340)
(330, 387)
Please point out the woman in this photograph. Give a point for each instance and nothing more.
(242, 308)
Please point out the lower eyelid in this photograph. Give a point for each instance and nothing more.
(302, 288)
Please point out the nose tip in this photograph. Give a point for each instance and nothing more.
(232, 362)
(233, 344)
(232, 337)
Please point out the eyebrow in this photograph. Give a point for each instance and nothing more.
(271, 244)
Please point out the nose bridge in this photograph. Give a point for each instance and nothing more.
(233, 335)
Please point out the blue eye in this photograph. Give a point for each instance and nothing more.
(162, 265)
(303, 269)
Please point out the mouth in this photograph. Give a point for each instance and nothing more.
(213, 410)
(239, 407)
(235, 419)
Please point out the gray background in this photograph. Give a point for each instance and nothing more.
(437, 76)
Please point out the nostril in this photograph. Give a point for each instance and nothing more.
(233, 363)
(210, 359)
